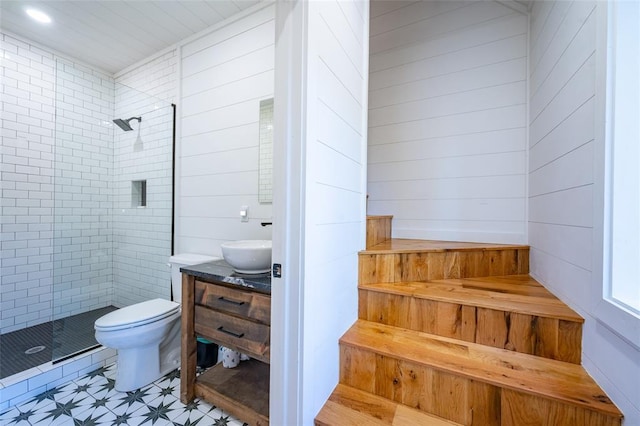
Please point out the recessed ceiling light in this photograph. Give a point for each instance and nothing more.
(38, 16)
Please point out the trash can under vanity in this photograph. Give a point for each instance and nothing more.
(206, 354)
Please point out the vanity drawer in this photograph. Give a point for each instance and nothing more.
(248, 304)
(237, 333)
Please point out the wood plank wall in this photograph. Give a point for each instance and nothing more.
(447, 120)
(335, 188)
(225, 75)
(563, 75)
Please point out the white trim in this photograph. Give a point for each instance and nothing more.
(527, 153)
(289, 133)
(365, 118)
(613, 316)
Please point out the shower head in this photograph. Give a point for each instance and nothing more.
(124, 124)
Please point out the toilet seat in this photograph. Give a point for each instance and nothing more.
(137, 315)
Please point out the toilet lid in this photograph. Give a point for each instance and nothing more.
(138, 314)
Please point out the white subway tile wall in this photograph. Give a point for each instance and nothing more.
(28, 124)
(142, 235)
(86, 241)
(68, 241)
(83, 265)
(156, 78)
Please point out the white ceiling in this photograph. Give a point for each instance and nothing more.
(114, 34)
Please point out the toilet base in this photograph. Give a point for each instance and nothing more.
(139, 366)
(129, 376)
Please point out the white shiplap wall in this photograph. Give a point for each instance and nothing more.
(447, 119)
(561, 184)
(334, 201)
(224, 75)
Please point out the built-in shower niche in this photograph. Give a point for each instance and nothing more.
(139, 193)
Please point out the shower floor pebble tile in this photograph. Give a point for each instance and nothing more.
(91, 400)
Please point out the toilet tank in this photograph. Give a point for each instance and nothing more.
(178, 261)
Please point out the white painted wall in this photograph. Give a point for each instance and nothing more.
(562, 179)
(320, 142)
(447, 119)
(224, 75)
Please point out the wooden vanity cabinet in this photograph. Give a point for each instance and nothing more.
(238, 318)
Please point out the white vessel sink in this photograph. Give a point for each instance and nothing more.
(248, 256)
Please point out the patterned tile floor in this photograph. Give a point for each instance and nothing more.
(92, 400)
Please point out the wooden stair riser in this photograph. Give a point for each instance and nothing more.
(530, 334)
(436, 265)
(522, 409)
(441, 394)
(455, 397)
(436, 334)
(378, 230)
(348, 406)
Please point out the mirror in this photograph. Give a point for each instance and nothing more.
(265, 168)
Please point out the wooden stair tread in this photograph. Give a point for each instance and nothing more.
(404, 245)
(508, 298)
(561, 381)
(348, 406)
(512, 284)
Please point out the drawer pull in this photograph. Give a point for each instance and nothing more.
(238, 335)
(233, 302)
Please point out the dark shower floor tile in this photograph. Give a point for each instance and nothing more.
(32, 346)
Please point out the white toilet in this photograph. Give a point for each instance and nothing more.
(147, 334)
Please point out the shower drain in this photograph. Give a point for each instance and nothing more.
(35, 350)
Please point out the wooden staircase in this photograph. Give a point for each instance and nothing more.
(459, 333)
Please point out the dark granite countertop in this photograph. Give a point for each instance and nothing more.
(219, 270)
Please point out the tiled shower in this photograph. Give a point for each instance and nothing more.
(75, 237)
